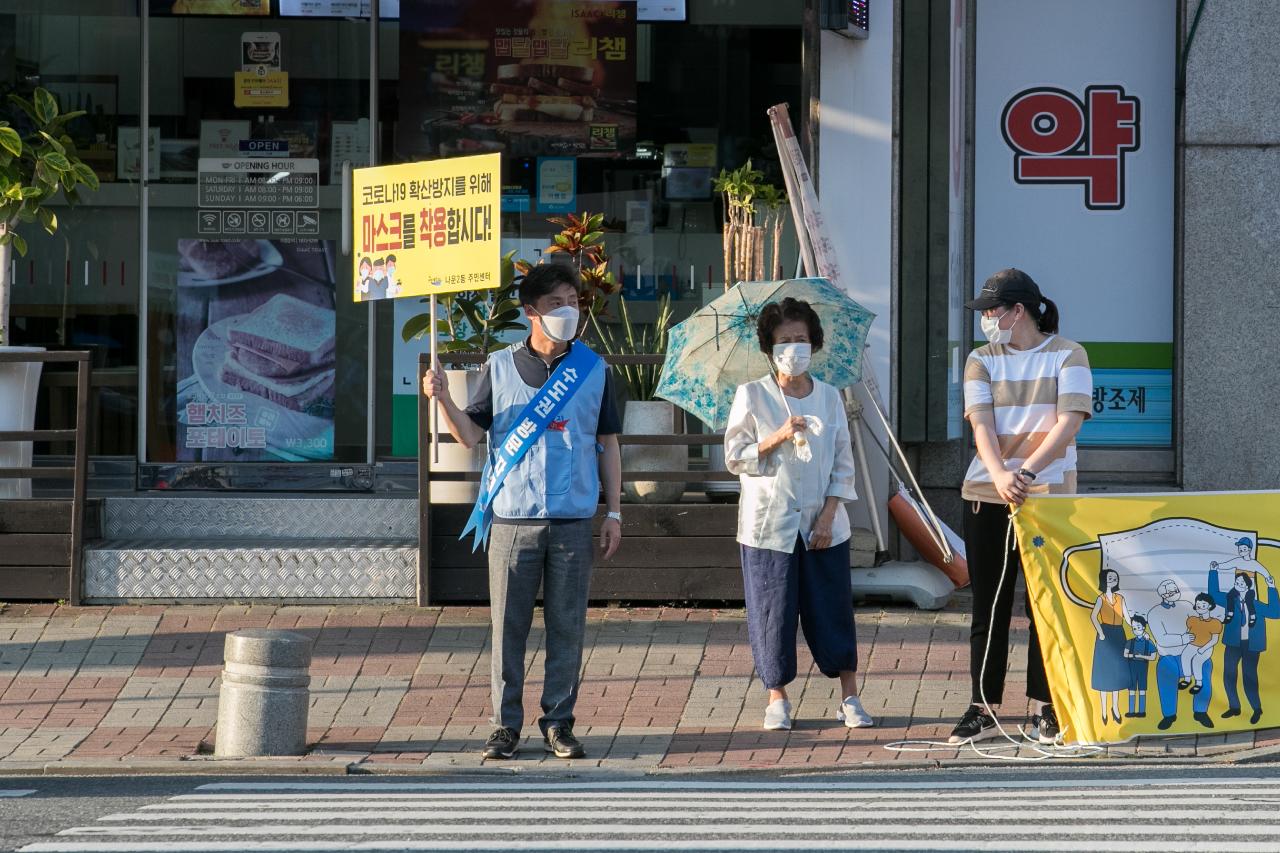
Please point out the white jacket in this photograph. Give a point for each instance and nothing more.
(781, 494)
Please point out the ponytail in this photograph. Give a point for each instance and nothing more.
(1046, 318)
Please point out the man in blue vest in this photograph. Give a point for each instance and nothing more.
(547, 406)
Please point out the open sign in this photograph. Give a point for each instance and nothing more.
(265, 146)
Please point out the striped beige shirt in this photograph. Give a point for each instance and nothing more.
(1027, 390)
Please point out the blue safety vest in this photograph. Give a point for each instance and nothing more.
(559, 476)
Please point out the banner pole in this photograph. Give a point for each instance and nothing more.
(435, 403)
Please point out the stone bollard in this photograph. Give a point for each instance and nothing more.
(262, 707)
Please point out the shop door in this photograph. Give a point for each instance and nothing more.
(256, 359)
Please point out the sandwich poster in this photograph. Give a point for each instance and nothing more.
(538, 78)
(246, 8)
(424, 228)
(256, 357)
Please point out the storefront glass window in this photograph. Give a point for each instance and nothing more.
(256, 351)
(219, 130)
(597, 111)
(78, 289)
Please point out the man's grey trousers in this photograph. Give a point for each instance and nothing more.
(558, 557)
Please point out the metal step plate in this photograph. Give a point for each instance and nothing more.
(256, 517)
(199, 569)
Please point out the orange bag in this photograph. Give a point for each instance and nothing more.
(913, 523)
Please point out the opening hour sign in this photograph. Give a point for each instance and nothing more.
(426, 228)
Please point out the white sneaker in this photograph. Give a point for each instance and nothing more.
(853, 715)
(777, 717)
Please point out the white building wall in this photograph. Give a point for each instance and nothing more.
(856, 175)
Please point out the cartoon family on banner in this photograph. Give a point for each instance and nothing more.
(376, 278)
(1177, 605)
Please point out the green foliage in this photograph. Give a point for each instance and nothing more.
(771, 197)
(746, 233)
(35, 168)
(582, 238)
(633, 339)
(740, 187)
(474, 321)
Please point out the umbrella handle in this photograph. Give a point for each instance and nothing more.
(774, 376)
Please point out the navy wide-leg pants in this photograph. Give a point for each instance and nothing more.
(811, 589)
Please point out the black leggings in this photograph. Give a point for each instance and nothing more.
(985, 534)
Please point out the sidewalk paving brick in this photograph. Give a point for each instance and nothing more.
(403, 687)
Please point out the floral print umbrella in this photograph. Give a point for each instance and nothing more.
(717, 349)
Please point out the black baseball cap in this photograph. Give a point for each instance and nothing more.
(1006, 288)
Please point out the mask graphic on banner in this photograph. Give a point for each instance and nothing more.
(995, 334)
(792, 359)
(561, 324)
(1168, 605)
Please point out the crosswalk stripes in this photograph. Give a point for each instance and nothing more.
(1194, 813)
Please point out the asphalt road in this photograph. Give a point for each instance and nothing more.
(1141, 806)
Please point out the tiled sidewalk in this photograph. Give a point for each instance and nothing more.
(408, 688)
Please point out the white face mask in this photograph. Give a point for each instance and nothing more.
(792, 359)
(560, 325)
(995, 334)
(379, 275)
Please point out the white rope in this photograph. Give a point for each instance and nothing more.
(1058, 750)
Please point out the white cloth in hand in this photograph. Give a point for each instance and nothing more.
(804, 453)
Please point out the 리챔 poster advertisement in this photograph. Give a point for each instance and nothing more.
(211, 7)
(529, 78)
(256, 358)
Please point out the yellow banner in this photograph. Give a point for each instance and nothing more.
(1155, 611)
(262, 90)
(424, 228)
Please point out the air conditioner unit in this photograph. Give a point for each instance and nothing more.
(849, 18)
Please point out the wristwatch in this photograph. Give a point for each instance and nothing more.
(616, 516)
(1023, 472)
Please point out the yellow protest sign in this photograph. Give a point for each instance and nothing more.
(1154, 611)
(427, 228)
(270, 89)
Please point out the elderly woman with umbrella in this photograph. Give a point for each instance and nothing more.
(787, 437)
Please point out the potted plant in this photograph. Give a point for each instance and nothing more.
(748, 236)
(643, 414)
(755, 213)
(34, 169)
(774, 205)
(581, 239)
(476, 322)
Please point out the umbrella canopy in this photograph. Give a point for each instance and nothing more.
(717, 349)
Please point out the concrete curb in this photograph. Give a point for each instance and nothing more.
(1253, 755)
(201, 766)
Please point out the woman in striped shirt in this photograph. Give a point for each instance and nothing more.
(1026, 394)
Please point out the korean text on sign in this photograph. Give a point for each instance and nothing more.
(1119, 399)
(423, 228)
